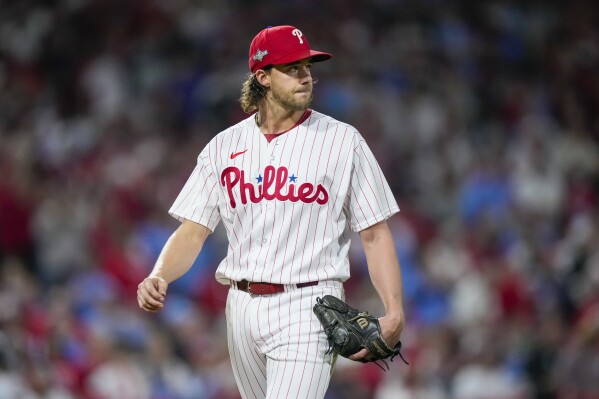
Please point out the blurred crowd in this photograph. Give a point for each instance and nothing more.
(483, 115)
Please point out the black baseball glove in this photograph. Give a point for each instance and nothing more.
(348, 331)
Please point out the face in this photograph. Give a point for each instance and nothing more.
(291, 85)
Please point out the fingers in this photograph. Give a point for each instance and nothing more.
(161, 286)
(151, 294)
(362, 355)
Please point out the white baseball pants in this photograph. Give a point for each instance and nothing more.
(277, 345)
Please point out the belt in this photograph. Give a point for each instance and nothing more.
(268, 288)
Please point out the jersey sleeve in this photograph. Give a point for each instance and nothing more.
(198, 200)
(370, 199)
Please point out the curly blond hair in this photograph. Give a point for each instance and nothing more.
(252, 92)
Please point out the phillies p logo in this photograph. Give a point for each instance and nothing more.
(297, 33)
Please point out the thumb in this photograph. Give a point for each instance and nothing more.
(161, 285)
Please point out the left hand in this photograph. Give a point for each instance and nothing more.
(390, 331)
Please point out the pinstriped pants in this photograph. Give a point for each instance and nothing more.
(277, 345)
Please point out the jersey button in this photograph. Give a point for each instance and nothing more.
(264, 241)
(272, 157)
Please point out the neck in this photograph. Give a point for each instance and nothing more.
(275, 119)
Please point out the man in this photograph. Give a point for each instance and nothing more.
(289, 184)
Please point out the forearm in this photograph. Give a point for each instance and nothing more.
(180, 251)
(383, 268)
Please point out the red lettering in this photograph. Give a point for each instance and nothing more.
(249, 187)
(282, 175)
(269, 178)
(274, 186)
(229, 179)
(291, 194)
(305, 189)
(321, 196)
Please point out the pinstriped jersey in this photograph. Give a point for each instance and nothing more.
(288, 205)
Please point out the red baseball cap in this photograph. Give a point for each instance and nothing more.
(278, 45)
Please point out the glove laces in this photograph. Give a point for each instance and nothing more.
(396, 352)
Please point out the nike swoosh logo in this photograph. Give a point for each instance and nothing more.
(236, 154)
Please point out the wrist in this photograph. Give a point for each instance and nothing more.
(396, 315)
(394, 307)
(156, 275)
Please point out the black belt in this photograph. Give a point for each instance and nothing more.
(267, 288)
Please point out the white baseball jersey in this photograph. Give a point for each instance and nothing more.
(287, 204)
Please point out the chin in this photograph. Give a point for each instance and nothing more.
(304, 105)
(305, 99)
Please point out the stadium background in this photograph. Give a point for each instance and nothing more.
(484, 115)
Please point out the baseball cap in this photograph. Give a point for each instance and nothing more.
(283, 44)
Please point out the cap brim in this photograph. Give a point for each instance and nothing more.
(316, 56)
(319, 56)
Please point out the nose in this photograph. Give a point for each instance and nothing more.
(305, 74)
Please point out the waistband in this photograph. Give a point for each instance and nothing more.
(262, 288)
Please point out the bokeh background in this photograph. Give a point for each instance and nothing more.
(484, 116)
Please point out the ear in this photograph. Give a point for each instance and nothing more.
(263, 77)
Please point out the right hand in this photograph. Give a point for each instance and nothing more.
(151, 293)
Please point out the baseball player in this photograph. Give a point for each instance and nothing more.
(289, 185)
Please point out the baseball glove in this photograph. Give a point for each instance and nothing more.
(348, 331)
